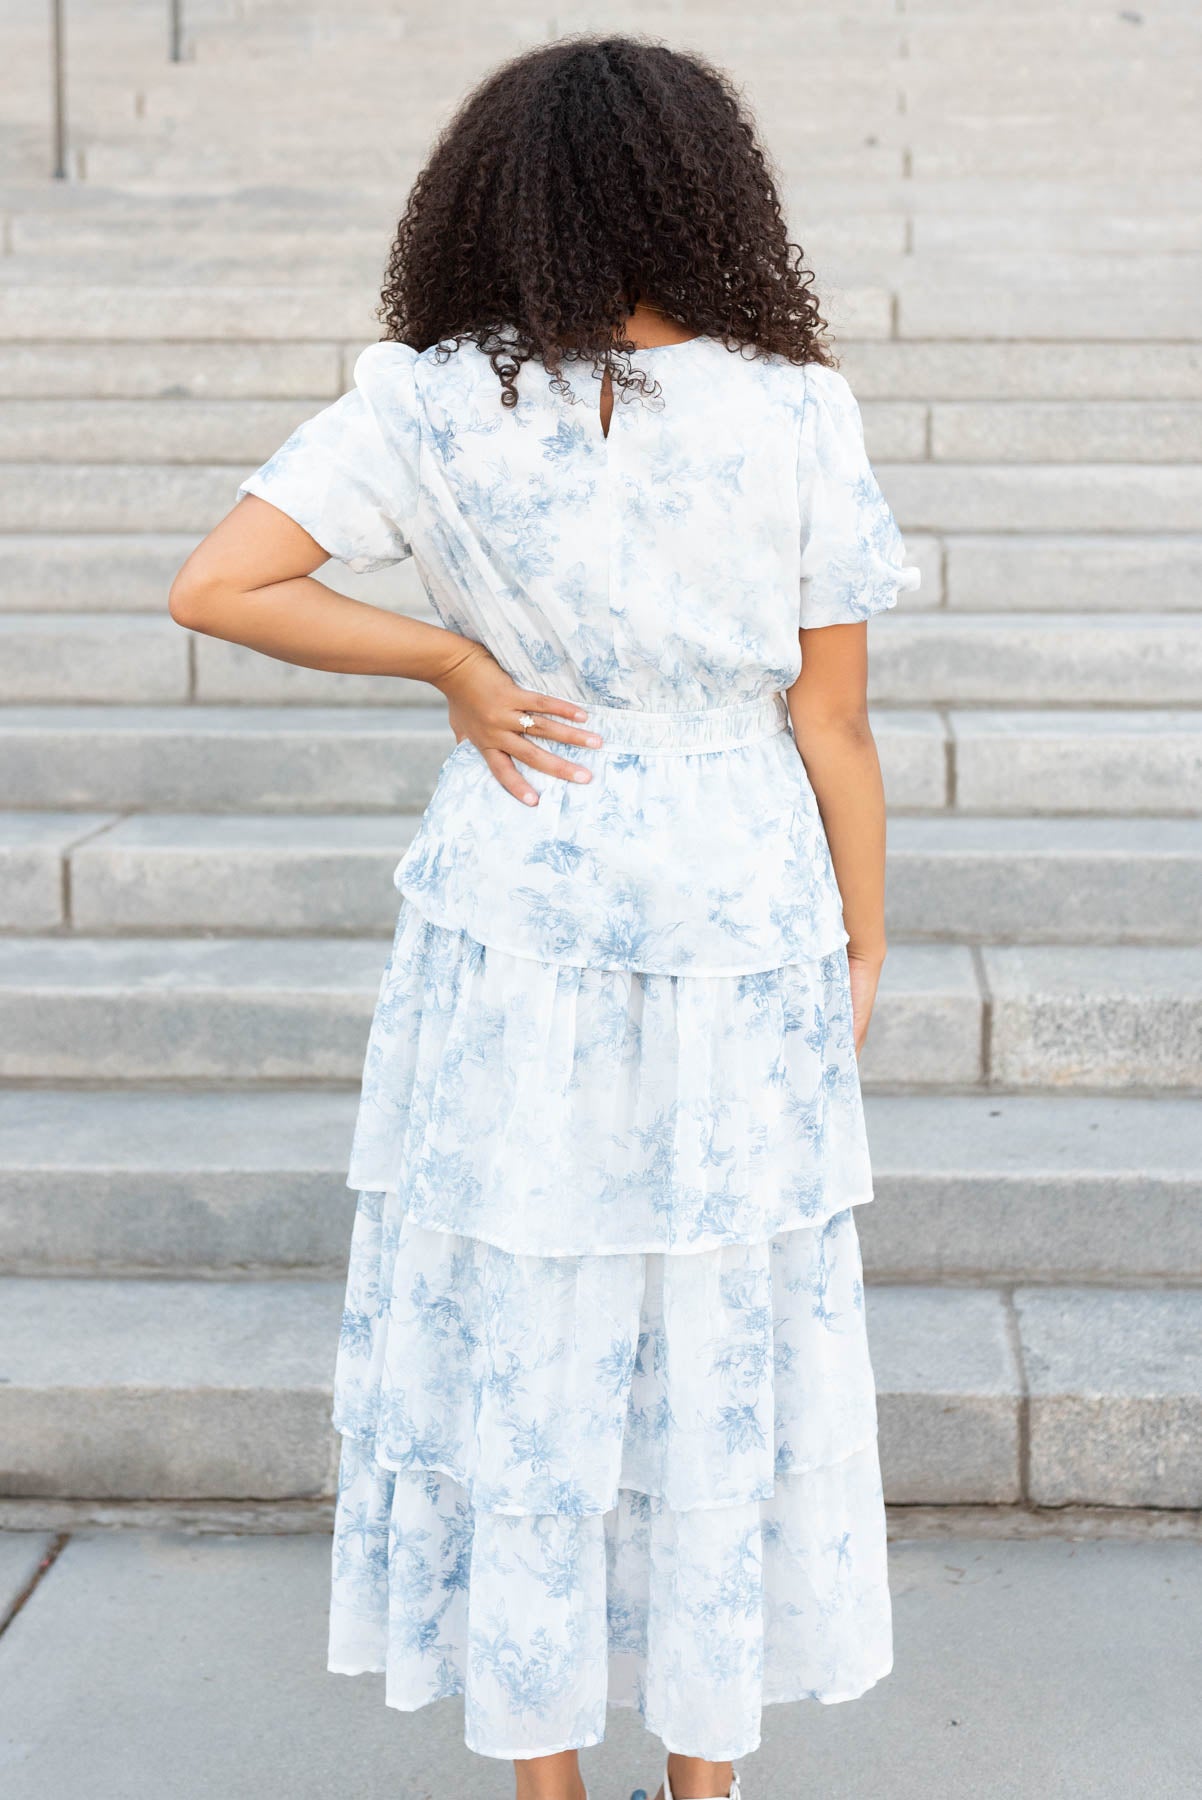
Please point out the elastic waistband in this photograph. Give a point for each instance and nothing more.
(713, 728)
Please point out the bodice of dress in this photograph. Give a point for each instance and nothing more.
(657, 574)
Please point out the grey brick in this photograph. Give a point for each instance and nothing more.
(895, 430)
(230, 674)
(31, 314)
(1074, 574)
(223, 759)
(255, 1009)
(159, 497)
(942, 370)
(215, 873)
(132, 572)
(1045, 881)
(33, 847)
(913, 751)
(1115, 1379)
(91, 656)
(947, 1394)
(927, 1024)
(1033, 659)
(174, 430)
(167, 1389)
(146, 1181)
(1011, 1187)
(1028, 309)
(1041, 497)
(1095, 431)
(1113, 1017)
(1065, 762)
(197, 371)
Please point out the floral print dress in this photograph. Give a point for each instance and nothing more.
(607, 1411)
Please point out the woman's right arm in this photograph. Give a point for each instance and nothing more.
(828, 705)
(250, 582)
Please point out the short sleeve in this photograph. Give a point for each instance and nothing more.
(349, 474)
(852, 556)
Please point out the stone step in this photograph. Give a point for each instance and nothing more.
(229, 759)
(1083, 573)
(210, 1389)
(951, 878)
(991, 1188)
(167, 1389)
(242, 430)
(977, 306)
(1088, 762)
(940, 371)
(1104, 1385)
(1000, 1188)
(175, 1183)
(1033, 881)
(200, 429)
(1024, 498)
(172, 430)
(130, 371)
(1033, 659)
(297, 1009)
(288, 1009)
(365, 759)
(881, 370)
(229, 873)
(1092, 1016)
(1086, 573)
(124, 572)
(1041, 497)
(918, 659)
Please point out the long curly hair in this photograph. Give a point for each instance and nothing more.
(579, 179)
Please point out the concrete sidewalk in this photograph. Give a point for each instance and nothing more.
(149, 1665)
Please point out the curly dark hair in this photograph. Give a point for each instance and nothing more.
(579, 179)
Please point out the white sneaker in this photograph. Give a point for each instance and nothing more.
(734, 1794)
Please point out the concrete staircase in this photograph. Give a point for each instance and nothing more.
(195, 859)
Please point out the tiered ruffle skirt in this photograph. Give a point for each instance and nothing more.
(608, 1415)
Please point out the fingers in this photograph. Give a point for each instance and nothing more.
(564, 734)
(547, 703)
(553, 709)
(535, 757)
(509, 777)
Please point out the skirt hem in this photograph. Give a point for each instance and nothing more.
(591, 1741)
(762, 1493)
(647, 1247)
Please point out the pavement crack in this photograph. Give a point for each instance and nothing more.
(43, 1569)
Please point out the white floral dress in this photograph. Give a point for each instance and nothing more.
(608, 1415)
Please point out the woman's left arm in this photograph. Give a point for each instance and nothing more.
(828, 705)
(250, 582)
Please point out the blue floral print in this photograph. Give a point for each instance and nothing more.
(607, 1410)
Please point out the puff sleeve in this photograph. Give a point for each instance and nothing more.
(349, 474)
(853, 559)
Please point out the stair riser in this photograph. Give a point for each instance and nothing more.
(941, 897)
(1021, 763)
(930, 1038)
(953, 497)
(78, 572)
(918, 661)
(920, 1228)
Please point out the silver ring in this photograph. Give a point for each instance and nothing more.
(526, 721)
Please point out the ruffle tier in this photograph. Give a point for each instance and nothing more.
(635, 1480)
(547, 1384)
(560, 1111)
(698, 1619)
(696, 848)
